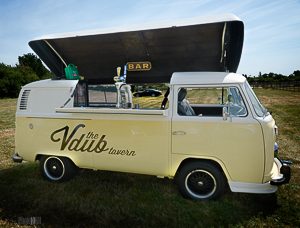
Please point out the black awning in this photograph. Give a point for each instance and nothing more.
(200, 47)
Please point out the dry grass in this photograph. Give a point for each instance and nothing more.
(285, 108)
(7, 129)
(148, 102)
(7, 113)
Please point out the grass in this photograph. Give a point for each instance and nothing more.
(7, 113)
(98, 198)
(285, 108)
(149, 102)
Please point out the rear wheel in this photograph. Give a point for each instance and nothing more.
(57, 169)
(201, 181)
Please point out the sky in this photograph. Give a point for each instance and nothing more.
(272, 27)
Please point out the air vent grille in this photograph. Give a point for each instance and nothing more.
(24, 99)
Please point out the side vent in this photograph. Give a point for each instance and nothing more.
(24, 99)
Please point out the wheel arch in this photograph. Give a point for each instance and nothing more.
(218, 164)
(40, 155)
(57, 168)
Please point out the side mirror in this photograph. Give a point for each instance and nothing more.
(225, 113)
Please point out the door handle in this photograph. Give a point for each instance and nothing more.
(179, 133)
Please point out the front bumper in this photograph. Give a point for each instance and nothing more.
(17, 158)
(284, 174)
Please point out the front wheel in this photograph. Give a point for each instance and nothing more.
(57, 169)
(201, 181)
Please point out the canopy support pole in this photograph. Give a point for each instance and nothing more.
(56, 52)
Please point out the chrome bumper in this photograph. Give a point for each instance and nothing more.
(285, 171)
(17, 158)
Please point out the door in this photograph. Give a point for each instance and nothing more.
(235, 141)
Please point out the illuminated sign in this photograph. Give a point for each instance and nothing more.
(138, 66)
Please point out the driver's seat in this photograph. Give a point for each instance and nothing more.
(184, 108)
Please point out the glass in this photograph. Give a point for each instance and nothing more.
(259, 109)
(210, 101)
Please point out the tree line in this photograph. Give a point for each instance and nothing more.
(273, 77)
(30, 68)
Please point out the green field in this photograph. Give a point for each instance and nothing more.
(98, 198)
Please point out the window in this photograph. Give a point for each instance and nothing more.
(80, 95)
(102, 95)
(210, 101)
(236, 104)
(150, 96)
(260, 110)
(95, 95)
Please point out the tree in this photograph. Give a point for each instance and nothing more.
(32, 61)
(296, 73)
(12, 79)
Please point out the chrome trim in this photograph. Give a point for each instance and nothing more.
(285, 171)
(16, 158)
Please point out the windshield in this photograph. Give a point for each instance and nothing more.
(258, 107)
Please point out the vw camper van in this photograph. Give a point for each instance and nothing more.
(209, 133)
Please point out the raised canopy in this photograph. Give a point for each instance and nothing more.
(214, 44)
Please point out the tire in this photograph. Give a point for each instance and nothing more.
(57, 169)
(153, 95)
(201, 181)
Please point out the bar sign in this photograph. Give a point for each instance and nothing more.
(139, 66)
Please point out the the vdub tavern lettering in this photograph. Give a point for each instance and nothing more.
(90, 142)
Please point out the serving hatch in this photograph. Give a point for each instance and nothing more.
(205, 44)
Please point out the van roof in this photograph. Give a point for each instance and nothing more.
(49, 83)
(194, 78)
(199, 44)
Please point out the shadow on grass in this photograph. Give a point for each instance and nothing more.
(98, 198)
